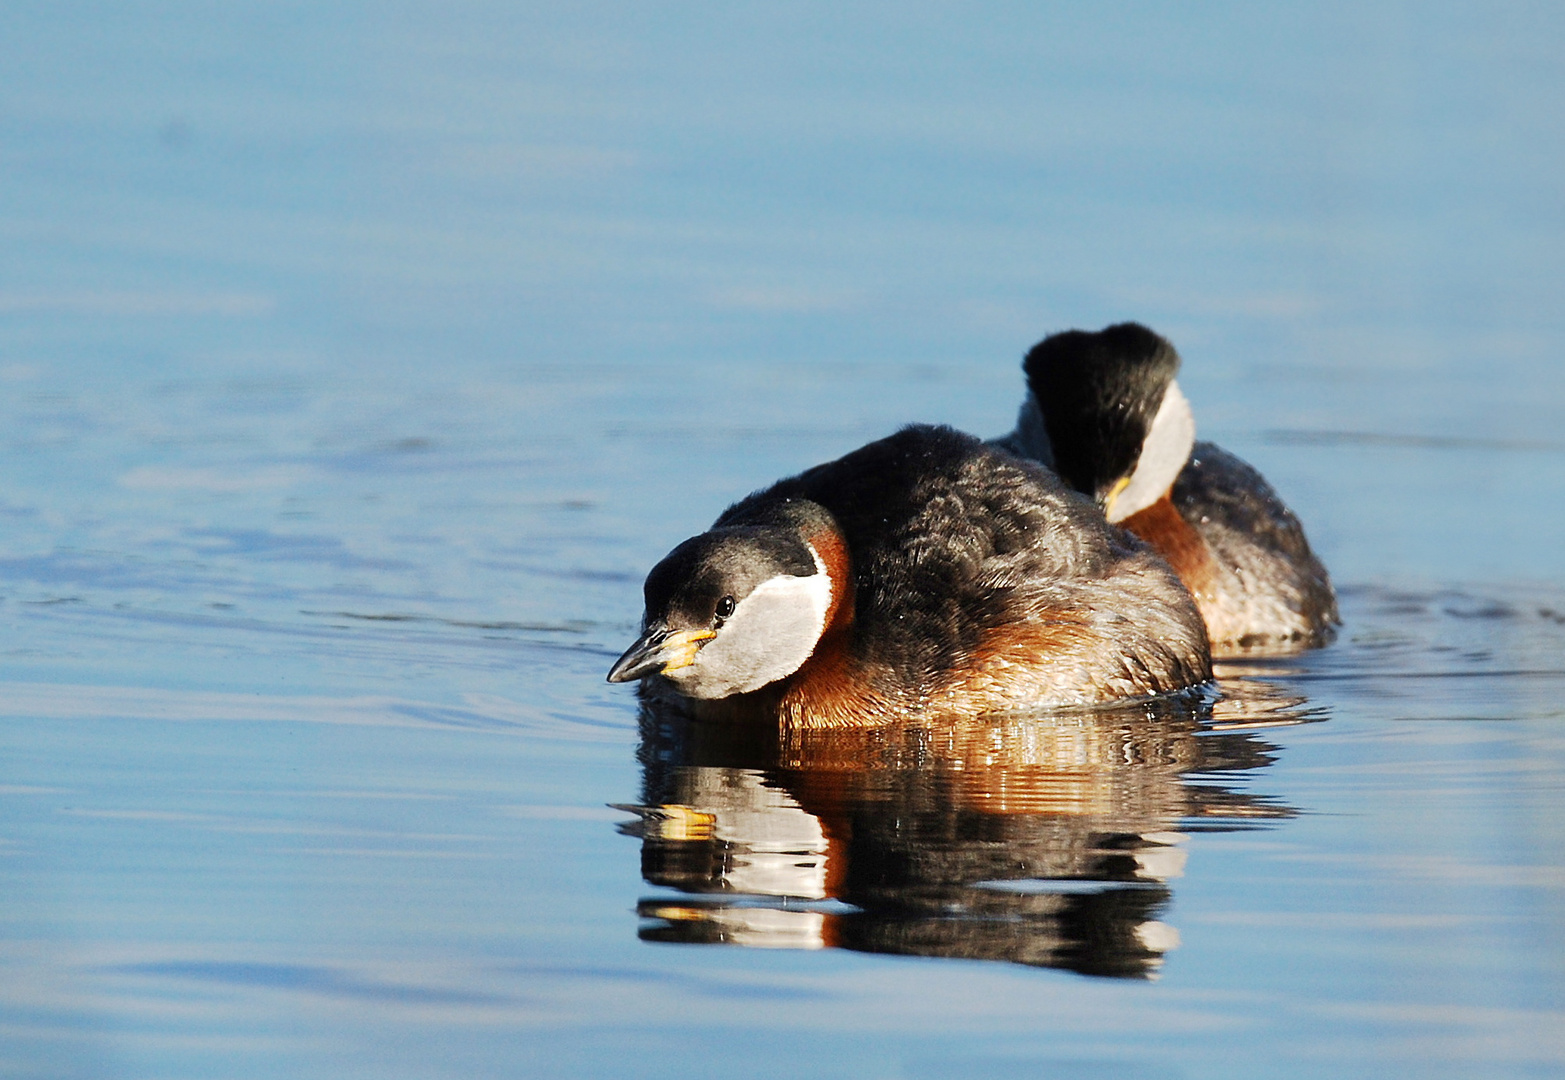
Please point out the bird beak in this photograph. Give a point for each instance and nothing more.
(1108, 500)
(659, 651)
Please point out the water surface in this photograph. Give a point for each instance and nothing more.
(356, 363)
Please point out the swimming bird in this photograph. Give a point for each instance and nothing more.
(925, 573)
(1104, 411)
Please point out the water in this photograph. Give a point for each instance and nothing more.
(357, 362)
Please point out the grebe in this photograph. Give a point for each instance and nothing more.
(1104, 411)
(925, 573)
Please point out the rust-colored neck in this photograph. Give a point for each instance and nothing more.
(1164, 527)
(831, 688)
(833, 550)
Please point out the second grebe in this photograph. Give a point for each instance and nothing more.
(1106, 413)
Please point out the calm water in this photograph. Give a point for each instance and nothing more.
(356, 362)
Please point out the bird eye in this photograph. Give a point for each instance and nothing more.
(725, 607)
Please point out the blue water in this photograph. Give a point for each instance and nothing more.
(357, 361)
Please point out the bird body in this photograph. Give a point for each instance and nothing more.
(1105, 411)
(1252, 569)
(923, 573)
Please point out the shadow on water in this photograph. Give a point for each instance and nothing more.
(1044, 840)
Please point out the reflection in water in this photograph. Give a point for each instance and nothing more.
(1040, 840)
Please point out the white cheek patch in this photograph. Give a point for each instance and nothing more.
(1168, 446)
(770, 635)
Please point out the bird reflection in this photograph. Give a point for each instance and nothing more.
(1045, 840)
